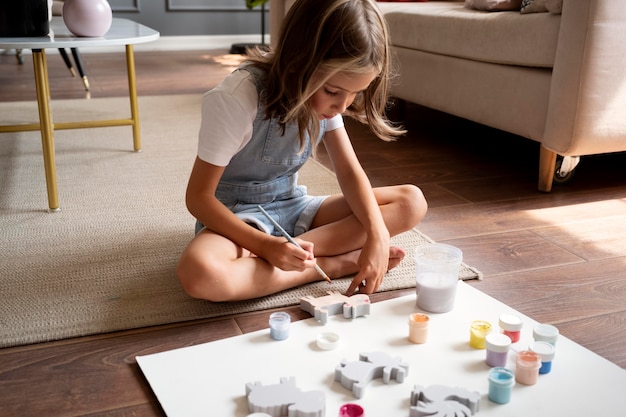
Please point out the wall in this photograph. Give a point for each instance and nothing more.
(193, 17)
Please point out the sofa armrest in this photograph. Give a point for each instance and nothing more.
(588, 89)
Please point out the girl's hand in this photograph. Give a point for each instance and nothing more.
(289, 257)
(373, 265)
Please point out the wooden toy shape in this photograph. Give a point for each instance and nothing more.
(356, 375)
(334, 303)
(285, 399)
(442, 401)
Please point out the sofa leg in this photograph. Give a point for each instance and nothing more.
(547, 165)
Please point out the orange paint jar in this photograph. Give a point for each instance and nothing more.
(418, 328)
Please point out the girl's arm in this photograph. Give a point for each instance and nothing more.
(357, 190)
(204, 206)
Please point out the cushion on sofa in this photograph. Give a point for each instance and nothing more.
(494, 5)
(449, 28)
(540, 6)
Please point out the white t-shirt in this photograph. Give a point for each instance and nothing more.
(228, 112)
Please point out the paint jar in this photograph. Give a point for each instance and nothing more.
(351, 410)
(527, 367)
(497, 345)
(478, 331)
(546, 333)
(511, 326)
(279, 325)
(437, 276)
(418, 327)
(546, 352)
(501, 381)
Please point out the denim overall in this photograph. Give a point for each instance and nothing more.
(265, 171)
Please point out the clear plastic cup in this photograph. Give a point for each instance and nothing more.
(437, 275)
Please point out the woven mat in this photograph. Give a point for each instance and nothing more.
(106, 261)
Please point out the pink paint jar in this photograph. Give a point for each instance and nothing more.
(418, 328)
(527, 367)
(497, 345)
(479, 329)
(351, 410)
(511, 326)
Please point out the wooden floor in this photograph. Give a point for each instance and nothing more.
(559, 258)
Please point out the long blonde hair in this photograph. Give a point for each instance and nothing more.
(318, 39)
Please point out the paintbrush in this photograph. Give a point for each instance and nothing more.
(290, 239)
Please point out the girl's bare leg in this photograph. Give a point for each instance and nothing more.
(216, 269)
(335, 230)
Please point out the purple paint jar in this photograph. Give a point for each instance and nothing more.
(497, 345)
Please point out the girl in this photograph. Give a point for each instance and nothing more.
(258, 128)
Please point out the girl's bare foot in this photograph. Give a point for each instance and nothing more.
(396, 255)
(346, 264)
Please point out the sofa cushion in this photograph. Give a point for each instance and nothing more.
(449, 28)
(540, 6)
(494, 5)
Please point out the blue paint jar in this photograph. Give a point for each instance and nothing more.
(546, 351)
(279, 325)
(501, 381)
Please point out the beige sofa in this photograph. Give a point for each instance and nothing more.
(558, 79)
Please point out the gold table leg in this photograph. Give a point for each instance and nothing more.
(45, 126)
(132, 93)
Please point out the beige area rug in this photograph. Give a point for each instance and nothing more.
(106, 261)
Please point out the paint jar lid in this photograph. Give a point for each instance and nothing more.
(546, 333)
(327, 340)
(280, 318)
(544, 349)
(510, 322)
(528, 359)
(497, 342)
(419, 320)
(481, 326)
(502, 376)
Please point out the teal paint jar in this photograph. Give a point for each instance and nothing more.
(501, 382)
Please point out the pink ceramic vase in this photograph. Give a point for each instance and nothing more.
(87, 17)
